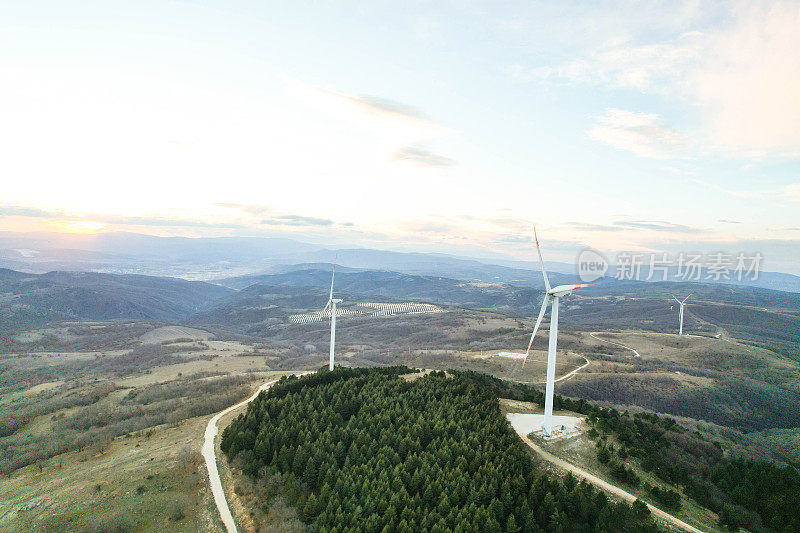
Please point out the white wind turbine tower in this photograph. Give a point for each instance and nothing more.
(681, 303)
(332, 305)
(551, 295)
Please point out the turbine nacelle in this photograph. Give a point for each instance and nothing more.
(566, 290)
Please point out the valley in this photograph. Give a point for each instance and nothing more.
(119, 398)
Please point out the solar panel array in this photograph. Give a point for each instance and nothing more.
(371, 309)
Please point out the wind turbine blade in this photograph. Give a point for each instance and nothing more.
(684, 300)
(333, 275)
(536, 327)
(541, 261)
(330, 296)
(676, 299)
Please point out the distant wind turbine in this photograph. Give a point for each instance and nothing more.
(332, 306)
(681, 303)
(551, 294)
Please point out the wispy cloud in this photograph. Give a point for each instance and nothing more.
(122, 220)
(622, 65)
(423, 157)
(279, 219)
(33, 212)
(269, 216)
(657, 226)
(376, 103)
(727, 221)
(23, 211)
(369, 104)
(622, 225)
(790, 192)
(742, 72)
(296, 220)
(640, 133)
(581, 226)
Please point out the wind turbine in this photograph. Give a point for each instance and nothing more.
(553, 295)
(332, 306)
(681, 303)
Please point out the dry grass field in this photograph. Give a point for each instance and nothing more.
(149, 481)
(108, 438)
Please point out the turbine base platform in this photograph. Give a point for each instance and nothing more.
(557, 432)
(564, 427)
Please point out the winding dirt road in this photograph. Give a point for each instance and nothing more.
(210, 456)
(565, 376)
(593, 334)
(573, 372)
(613, 489)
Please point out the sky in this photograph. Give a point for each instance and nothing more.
(429, 126)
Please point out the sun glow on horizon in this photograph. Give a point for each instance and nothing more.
(87, 227)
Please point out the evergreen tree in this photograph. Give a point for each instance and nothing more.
(362, 450)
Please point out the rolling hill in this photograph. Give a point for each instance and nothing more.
(35, 299)
(220, 258)
(766, 317)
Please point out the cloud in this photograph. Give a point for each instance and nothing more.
(726, 221)
(622, 225)
(789, 192)
(423, 157)
(158, 221)
(273, 218)
(376, 103)
(297, 220)
(581, 226)
(369, 104)
(656, 226)
(283, 219)
(22, 211)
(739, 68)
(645, 67)
(93, 218)
(640, 133)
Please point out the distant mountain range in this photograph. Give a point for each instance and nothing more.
(35, 299)
(518, 299)
(258, 304)
(223, 258)
(767, 317)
